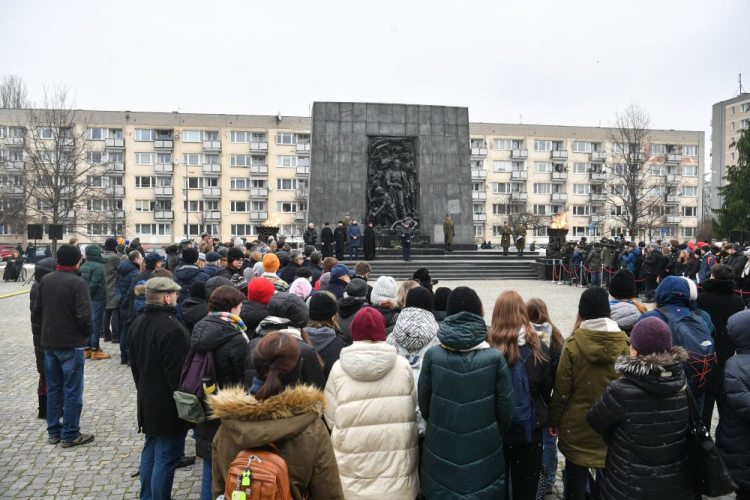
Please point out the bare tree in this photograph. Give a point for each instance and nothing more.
(637, 190)
(13, 92)
(518, 211)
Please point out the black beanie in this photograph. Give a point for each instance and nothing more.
(68, 255)
(463, 299)
(110, 244)
(441, 298)
(235, 253)
(322, 307)
(198, 290)
(622, 285)
(190, 255)
(419, 297)
(594, 304)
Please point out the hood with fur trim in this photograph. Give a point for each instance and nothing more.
(235, 403)
(658, 373)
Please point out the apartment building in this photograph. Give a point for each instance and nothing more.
(727, 119)
(168, 175)
(548, 170)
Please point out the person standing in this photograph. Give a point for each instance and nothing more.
(159, 344)
(339, 235)
(41, 269)
(310, 236)
(326, 240)
(340, 278)
(449, 231)
(205, 245)
(520, 234)
(594, 265)
(355, 240)
(507, 233)
(188, 273)
(405, 234)
(652, 264)
(127, 278)
(63, 308)
(369, 241)
(111, 327)
(92, 273)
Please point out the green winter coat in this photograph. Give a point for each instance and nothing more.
(520, 232)
(449, 231)
(92, 273)
(507, 232)
(466, 397)
(587, 366)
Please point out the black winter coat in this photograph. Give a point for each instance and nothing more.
(652, 263)
(158, 344)
(339, 235)
(326, 241)
(185, 276)
(328, 344)
(337, 287)
(193, 310)
(390, 315)
(212, 334)
(127, 272)
(289, 273)
(348, 308)
(310, 372)
(63, 308)
(541, 381)
(643, 417)
(252, 314)
(693, 267)
(369, 243)
(719, 301)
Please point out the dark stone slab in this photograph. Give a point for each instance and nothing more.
(399, 113)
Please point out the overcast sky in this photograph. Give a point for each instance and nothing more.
(551, 62)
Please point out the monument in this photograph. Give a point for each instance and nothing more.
(390, 163)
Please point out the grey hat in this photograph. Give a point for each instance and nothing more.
(162, 285)
(356, 288)
(202, 256)
(214, 283)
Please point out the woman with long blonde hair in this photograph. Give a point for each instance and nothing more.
(513, 335)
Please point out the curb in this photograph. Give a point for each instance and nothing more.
(8, 295)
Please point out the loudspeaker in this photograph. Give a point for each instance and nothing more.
(35, 231)
(55, 231)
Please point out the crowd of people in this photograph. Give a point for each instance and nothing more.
(366, 390)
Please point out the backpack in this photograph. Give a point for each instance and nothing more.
(258, 474)
(190, 394)
(524, 413)
(691, 333)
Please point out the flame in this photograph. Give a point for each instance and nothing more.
(559, 222)
(274, 220)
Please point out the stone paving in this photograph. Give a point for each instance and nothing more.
(29, 467)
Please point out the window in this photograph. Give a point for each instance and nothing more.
(542, 209)
(507, 144)
(284, 138)
(207, 182)
(668, 232)
(192, 136)
(619, 190)
(153, 229)
(145, 182)
(193, 205)
(94, 157)
(210, 159)
(239, 137)
(540, 188)
(192, 159)
(239, 183)
(478, 209)
(286, 184)
(258, 136)
(658, 170)
(689, 232)
(144, 205)
(286, 161)
(582, 147)
(581, 168)
(745, 124)
(581, 209)
(477, 186)
(620, 148)
(239, 206)
(540, 231)
(690, 170)
(500, 187)
(163, 181)
(501, 166)
(658, 149)
(239, 160)
(144, 158)
(97, 181)
(45, 133)
(617, 210)
(258, 160)
(542, 145)
(261, 205)
(497, 231)
(690, 150)
(582, 189)
(96, 134)
(163, 158)
(690, 191)
(303, 138)
(732, 125)
(115, 133)
(476, 164)
(732, 109)
(657, 190)
(197, 229)
(142, 134)
(243, 229)
(286, 206)
(499, 209)
(744, 107)
(115, 157)
(195, 182)
(689, 211)
(543, 167)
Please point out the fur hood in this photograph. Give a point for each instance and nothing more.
(234, 403)
(659, 373)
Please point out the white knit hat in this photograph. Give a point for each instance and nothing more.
(693, 288)
(238, 243)
(385, 290)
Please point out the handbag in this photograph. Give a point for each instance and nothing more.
(710, 474)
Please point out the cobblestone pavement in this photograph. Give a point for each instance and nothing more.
(29, 466)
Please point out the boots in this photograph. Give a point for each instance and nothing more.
(97, 354)
(87, 353)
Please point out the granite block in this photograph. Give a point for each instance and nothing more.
(359, 112)
(332, 111)
(345, 111)
(399, 113)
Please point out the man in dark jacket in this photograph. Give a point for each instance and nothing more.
(594, 264)
(213, 261)
(315, 259)
(310, 236)
(289, 273)
(355, 239)
(339, 235)
(326, 241)
(736, 260)
(111, 327)
(153, 262)
(159, 345)
(188, 273)
(652, 265)
(41, 269)
(340, 277)
(354, 300)
(255, 308)
(369, 243)
(405, 235)
(63, 308)
(127, 278)
(719, 301)
(92, 273)
(194, 308)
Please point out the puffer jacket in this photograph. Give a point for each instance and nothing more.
(291, 421)
(328, 344)
(229, 345)
(643, 417)
(627, 260)
(594, 260)
(466, 397)
(733, 432)
(42, 268)
(708, 261)
(371, 412)
(193, 310)
(587, 367)
(252, 313)
(625, 314)
(390, 315)
(348, 307)
(92, 273)
(127, 272)
(185, 276)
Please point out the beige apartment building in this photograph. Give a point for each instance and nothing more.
(171, 175)
(727, 119)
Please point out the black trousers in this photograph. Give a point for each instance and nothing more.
(650, 286)
(112, 325)
(523, 465)
(576, 479)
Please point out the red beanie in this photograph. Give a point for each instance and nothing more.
(260, 290)
(368, 324)
(691, 246)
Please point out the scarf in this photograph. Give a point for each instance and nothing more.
(236, 321)
(66, 268)
(258, 383)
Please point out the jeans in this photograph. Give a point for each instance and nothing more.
(112, 323)
(406, 250)
(63, 370)
(596, 279)
(353, 252)
(206, 480)
(549, 455)
(159, 459)
(523, 464)
(97, 315)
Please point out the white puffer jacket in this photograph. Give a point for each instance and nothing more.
(371, 411)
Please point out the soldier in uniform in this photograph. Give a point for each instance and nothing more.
(449, 231)
(506, 235)
(520, 235)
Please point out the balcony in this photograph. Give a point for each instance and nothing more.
(559, 197)
(673, 179)
(164, 214)
(14, 142)
(597, 178)
(303, 149)
(164, 144)
(672, 159)
(597, 218)
(118, 214)
(212, 215)
(116, 167)
(13, 191)
(519, 196)
(673, 199)
(212, 169)
(480, 217)
(478, 195)
(479, 151)
(598, 156)
(14, 166)
(211, 146)
(520, 154)
(519, 174)
(259, 146)
(114, 143)
(673, 219)
(559, 177)
(67, 143)
(212, 192)
(478, 173)
(259, 215)
(164, 191)
(598, 197)
(163, 169)
(258, 192)
(259, 170)
(303, 171)
(116, 191)
(559, 155)
(301, 194)
(300, 216)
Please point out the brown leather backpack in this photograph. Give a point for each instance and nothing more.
(258, 474)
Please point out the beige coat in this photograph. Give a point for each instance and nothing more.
(371, 412)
